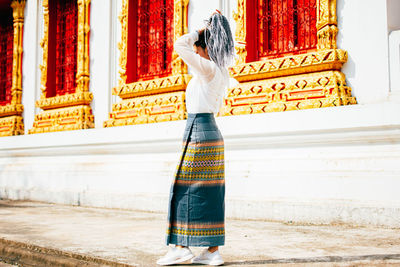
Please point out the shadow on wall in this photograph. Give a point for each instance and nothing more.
(349, 68)
(393, 8)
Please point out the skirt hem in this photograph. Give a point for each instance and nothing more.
(195, 241)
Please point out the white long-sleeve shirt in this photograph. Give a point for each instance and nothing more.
(206, 90)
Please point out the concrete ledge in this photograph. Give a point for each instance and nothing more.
(29, 255)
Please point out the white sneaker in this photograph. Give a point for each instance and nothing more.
(206, 257)
(176, 255)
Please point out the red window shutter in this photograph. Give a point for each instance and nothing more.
(63, 39)
(6, 58)
(150, 39)
(283, 27)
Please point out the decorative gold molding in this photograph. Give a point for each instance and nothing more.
(148, 109)
(12, 122)
(63, 119)
(78, 98)
(156, 86)
(180, 28)
(326, 24)
(149, 90)
(79, 102)
(123, 44)
(257, 92)
(313, 90)
(290, 65)
(82, 72)
(11, 109)
(44, 44)
(240, 33)
(11, 125)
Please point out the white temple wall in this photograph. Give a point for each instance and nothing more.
(394, 49)
(31, 59)
(101, 38)
(363, 33)
(318, 165)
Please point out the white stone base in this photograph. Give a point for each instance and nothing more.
(328, 165)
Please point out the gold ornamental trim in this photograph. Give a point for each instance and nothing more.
(154, 91)
(44, 44)
(11, 121)
(313, 90)
(180, 28)
(10, 109)
(290, 65)
(74, 107)
(148, 109)
(63, 119)
(83, 60)
(11, 125)
(156, 86)
(79, 98)
(240, 32)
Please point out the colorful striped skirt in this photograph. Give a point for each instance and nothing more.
(196, 209)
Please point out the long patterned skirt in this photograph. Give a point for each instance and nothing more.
(196, 209)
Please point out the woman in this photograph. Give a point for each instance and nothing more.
(196, 209)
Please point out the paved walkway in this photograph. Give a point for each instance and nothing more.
(137, 238)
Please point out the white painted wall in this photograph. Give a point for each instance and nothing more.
(363, 32)
(100, 59)
(30, 63)
(394, 49)
(318, 165)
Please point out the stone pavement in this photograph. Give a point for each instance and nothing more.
(82, 236)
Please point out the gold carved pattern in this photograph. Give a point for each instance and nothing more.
(63, 119)
(180, 28)
(156, 86)
(72, 108)
(44, 43)
(82, 72)
(308, 80)
(289, 65)
(123, 44)
(11, 125)
(157, 92)
(78, 98)
(313, 90)
(240, 33)
(11, 122)
(148, 109)
(327, 29)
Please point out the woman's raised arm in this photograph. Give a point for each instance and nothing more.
(184, 47)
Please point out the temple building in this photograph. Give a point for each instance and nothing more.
(92, 105)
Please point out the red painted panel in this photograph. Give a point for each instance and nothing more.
(6, 56)
(280, 27)
(150, 39)
(63, 40)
